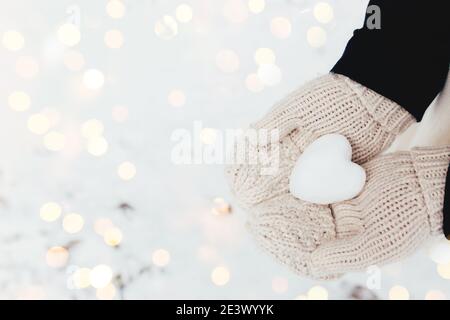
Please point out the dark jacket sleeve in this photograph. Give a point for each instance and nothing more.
(403, 53)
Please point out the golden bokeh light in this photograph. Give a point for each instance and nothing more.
(106, 293)
(323, 12)
(220, 276)
(183, 13)
(166, 28)
(317, 293)
(176, 98)
(97, 146)
(208, 136)
(301, 297)
(119, 114)
(102, 225)
(38, 123)
(161, 258)
(280, 285)
(73, 60)
(444, 270)
(115, 9)
(13, 40)
(264, 56)
(27, 67)
(73, 223)
(227, 61)
(398, 293)
(235, 11)
(316, 37)
(256, 6)
(126, 170)
(114, 39)
(92, 128)
(253, 83)
(281, 27)
(69, 34)
(100, 276)
(82, 278)
(54, 141)
(220, 206)
(269, 74)
(93, 79)
(19, 101)
(50, 211)
(435, 295)
(112, 236)
(57, 257)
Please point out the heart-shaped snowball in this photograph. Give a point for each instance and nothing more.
(325, 173)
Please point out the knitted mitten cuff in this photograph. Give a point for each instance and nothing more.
(431, 165)
(336, 104)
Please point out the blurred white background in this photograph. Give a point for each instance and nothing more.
(91, 205)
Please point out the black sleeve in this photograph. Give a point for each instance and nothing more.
(406, 59)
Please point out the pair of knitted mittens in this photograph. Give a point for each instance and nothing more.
(399, 207)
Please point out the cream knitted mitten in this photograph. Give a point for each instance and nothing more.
(399, 208)
(330, 104)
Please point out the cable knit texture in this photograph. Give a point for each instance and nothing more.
(400, 207)
(330, 104)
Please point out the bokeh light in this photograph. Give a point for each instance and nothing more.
(208, 136)
(235, 11)
(256, 6)
(115, 9)
(73, 60)
(317, 293)
(38, 123)
(398, 293)
(93, 79)
(280, 285)
(161, 258)
(176, 98)
(54, 141)
(184, 13)
(220, 276)
(50, 211)
(323, 12)
(166, 28)
(316, 37)
(253, 83)
(100, 276)
(69, 34)
(281, 27)
(57, 257)
(106, 293)
(97, 146)
(102, 225)
(112, 236)
(82, 278)
(19, 101)
(114, 39)
(73, 223)
(119, 114)
(444, 270)
(269, 74)
(92, 128)
(435, 295)
(13, 40)
(126, 170)
(264, 56)
(27, 67)
(227, 61)
(220, 206)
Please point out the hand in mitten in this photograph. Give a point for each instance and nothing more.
(398, 209)
(330, 104)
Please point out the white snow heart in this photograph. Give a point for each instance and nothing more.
(325, 173)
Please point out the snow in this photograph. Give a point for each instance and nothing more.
(170, 203)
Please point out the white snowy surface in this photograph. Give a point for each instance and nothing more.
(171, 203)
